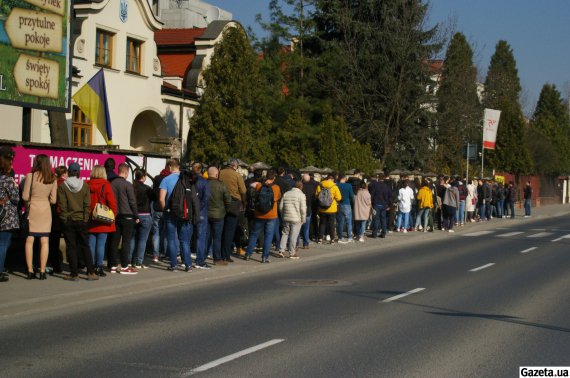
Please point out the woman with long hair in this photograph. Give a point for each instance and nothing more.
(40, 191)
(9, 198)
(101, 192)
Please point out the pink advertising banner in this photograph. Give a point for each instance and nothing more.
(24, 160)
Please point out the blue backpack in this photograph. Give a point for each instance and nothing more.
(264, 199)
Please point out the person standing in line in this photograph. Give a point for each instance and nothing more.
(101, 192)
(236, 187)
(344, 214)
(144, 197)
(425, 204)
(201, 228)
(362, 209)
(293, 209)
(460, 216)
(9, 198)
(309, 189)
(405, 198)
(527, 199)
(471, 201)
(179, 222)
(110, 169)
(40, 190)
(158, 229)
(450, 203)
(381, 197)
(264, 220)
(328, 213)
(217, 207)
(74, 200)
(510, 198)
(55, 255)
(125, 221)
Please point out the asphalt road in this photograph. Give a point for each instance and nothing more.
(334, 313)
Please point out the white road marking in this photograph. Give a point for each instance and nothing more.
(510, 234)
(562, 237)
(528, 250)
(479, 233)
(482, 267)
(391, 299)
(232, 357)
(540, 235)
(538, 229)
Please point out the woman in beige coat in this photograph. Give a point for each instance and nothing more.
(362, 208)
(42, 184)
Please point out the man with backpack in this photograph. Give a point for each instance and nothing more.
(328, 196)
(181, 208)
(267, 196)
(201, 229)
(236, 187)
(158, 230)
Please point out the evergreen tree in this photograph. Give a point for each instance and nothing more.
(549, 135)
(233, 117)
(502, 91)
(459, 109)
(374, 58)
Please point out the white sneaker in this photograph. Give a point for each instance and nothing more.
(451, 230)
(404, 231)
(343, 241)
(361, 239)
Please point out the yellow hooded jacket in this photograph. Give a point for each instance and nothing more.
(425, 198)
(335, 194)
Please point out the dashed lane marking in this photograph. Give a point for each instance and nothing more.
(395, 298)
(232, 357)
(528, 250)
(562, 237)
(540, 235)
(479, 233)
(482, 267)
(508, 234)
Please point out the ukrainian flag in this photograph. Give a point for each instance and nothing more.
(92, 100)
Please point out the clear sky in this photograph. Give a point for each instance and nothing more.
(538, 32)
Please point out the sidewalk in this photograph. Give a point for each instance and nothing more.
(21, 297)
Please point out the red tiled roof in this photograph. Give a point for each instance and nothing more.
(174, 37)
(176, 64)
(435, 66)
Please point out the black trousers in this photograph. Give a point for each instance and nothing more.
(76, 241)
(326, 225)
(125, 228)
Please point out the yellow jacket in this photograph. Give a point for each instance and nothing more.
(335, 194)
(425, 198)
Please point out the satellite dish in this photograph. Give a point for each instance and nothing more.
(213, 14)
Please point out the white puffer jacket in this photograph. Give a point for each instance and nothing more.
(293, 206)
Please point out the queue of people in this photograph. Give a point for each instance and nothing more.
(199, 213)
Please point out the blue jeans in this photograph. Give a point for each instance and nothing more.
(215, 230)
(159, 241)
(461, 212)
(138, 243)
(344, 215)
(500, 207)
(268, 227)
(178, 232)
(379, 221)
(527, 207)
(305, 231)
(360, 227)
(403, 219)
(97, 247)
(201, 240)
(422, 218)
(482, 212)
(5, 237)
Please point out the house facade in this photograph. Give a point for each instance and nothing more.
(152, 74)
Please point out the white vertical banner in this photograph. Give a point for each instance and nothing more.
(490, 126)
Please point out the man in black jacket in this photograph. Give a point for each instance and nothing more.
(309, 189)
(381, 196)
(125, 221)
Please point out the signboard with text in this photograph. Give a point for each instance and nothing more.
(35, 61)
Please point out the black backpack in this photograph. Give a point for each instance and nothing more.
(181, 202)
(264, 199)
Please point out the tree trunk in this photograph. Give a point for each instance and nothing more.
(58, 128)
